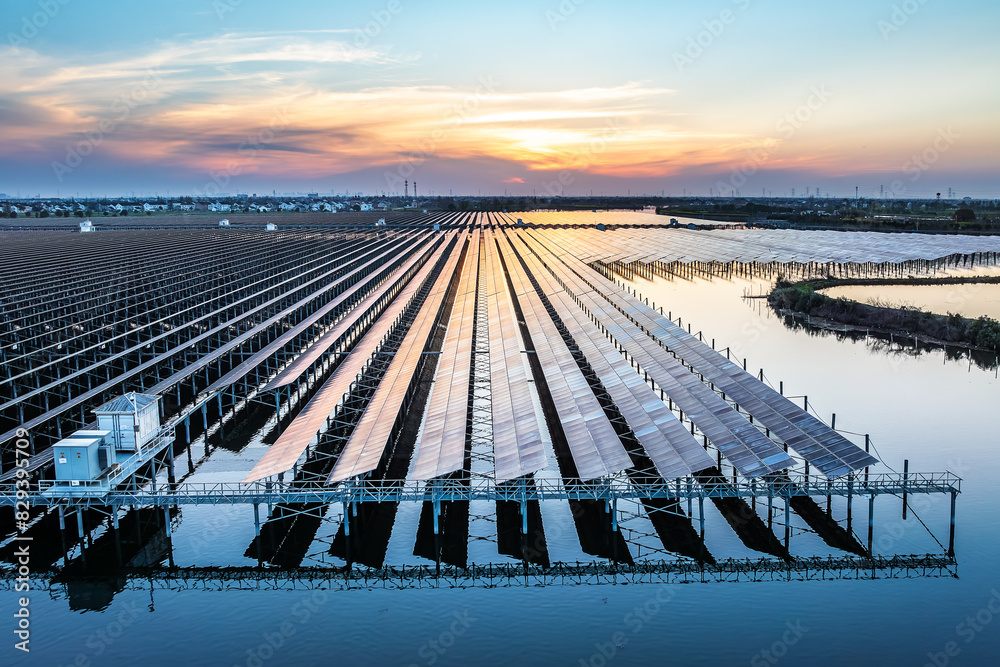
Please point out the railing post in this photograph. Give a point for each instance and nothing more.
(906, 477)
(951, 531)
(871, 522)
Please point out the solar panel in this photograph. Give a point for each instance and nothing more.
(294, 370)
(517, 439)
(441, 448)
(289, 446)
(666, 441)
(594, 445)
(368, 440)
(738, 440)
(816, 442)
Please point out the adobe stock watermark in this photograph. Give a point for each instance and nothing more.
(120, 110)
(786, 126)
(432, 650)
(585, 158)
(714, 29)
(792, 635)
(454, 117)
(920, 163)
(247, 153)
(899, 17)
(271, 642)
(32, 24)
(967, 630)
(98, 642)
(223, 7)
(562, 12)
(634, 621)
(22, 542)
(381, 19)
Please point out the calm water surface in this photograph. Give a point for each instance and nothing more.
(975, 300)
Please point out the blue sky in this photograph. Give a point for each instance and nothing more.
(207, 96)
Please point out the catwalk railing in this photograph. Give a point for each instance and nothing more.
(48, 492)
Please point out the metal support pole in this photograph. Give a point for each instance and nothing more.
(867, 447)
(62, 532)
(850, 500)
(906, 477)
(277, 409)
(788, 524)
(79, 528)
(871, 522)
(170, 464)
(951, 531)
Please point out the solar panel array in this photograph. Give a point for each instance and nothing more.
(368, 441)
(320, 409)
(593, 442)
(441, 447)
(517, 435)
(819, 444)
(674, 452)
(740, 442)
(323, 304)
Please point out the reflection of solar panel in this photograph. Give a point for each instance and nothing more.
(289, 446)
(517, 438)
(739, 441)
(819, 444)
(593, 442)
(673, 450)
(442, 442)
(365, 447)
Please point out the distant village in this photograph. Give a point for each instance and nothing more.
(811, 211)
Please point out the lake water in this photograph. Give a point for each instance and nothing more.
(969, 300)
(939, 413)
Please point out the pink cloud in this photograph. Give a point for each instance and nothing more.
(514, 180)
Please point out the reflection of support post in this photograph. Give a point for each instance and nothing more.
(170, 539)
(256, 531)
(118, 539)
(951, 531)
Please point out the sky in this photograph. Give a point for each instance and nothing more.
(555, 97)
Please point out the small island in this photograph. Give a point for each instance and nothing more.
(805, 299)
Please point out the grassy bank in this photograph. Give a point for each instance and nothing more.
(804, 298)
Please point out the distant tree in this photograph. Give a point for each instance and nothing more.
(78, 214)
(965, 215)
(44, 214)
(12, 214)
